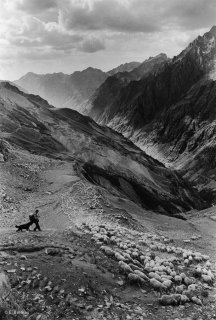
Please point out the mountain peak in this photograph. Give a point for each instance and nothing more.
(202, 50)
(124, 67)
(213, 30)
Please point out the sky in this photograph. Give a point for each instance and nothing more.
(46, 36)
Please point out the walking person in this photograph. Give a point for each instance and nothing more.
(34, 218)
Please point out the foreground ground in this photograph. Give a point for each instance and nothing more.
(62, 273)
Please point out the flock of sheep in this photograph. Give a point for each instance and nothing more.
(178, 275)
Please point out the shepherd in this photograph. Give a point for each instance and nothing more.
(34, 218)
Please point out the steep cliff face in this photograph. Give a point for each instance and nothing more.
(121, 88)
(62, 90)
(102, 156)
(185, 135)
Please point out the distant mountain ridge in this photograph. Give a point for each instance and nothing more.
(63, 90)
(68, 90)
(125, 67)
(74, 90)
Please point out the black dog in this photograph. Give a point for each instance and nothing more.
(25, 226)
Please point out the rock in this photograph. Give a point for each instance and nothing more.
(4, 285)
(29, 269)
(23, 257)
(62, 292)
(56, 289)
(35, 283)
(89, 308)
(48, 288)
(11, 271)
(120, 282)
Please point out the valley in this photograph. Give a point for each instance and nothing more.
(170, 112)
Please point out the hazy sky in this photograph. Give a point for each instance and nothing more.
(67, 35)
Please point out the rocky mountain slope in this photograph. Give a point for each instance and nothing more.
(102, 156)
(126, 67)
(62, 90)
(170, 112)
(116, 87)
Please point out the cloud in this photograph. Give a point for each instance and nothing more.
(30, 6)
(30, 38)
(119, 30)
(191, 14)
(32, 32)
(105, 15)
(92, 45)
(133, 16)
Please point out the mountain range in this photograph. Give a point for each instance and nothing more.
(170, 112)
(104, 157)
(165, 106)
(74, 90)
(63, 90)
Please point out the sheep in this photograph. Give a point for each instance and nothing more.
(134, 278)
(141, 274)
(196, 301)
(172, 299)
(125, 267)
(207, 279)
(180, 289)
(151, 263)
(210, 274)
(205, 257)
(119, 257)
(184, 299)
(147, 268)
(187, 281)
(198, 258)
(188, 294)
(136, 262)
(166, 277)
(128, 251)
(177, 297)
(107, 250)
(204, 271)
(173, 274)
(208, 264)
(185, 255)
(178, 279)
(197, 272)
(183, 275)
(135, 267)
(155, 276)
(167, 283)
(158, 286)
(127, 256)
(186, 262)
(163, 248)
(142, 258)
(192, 287)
